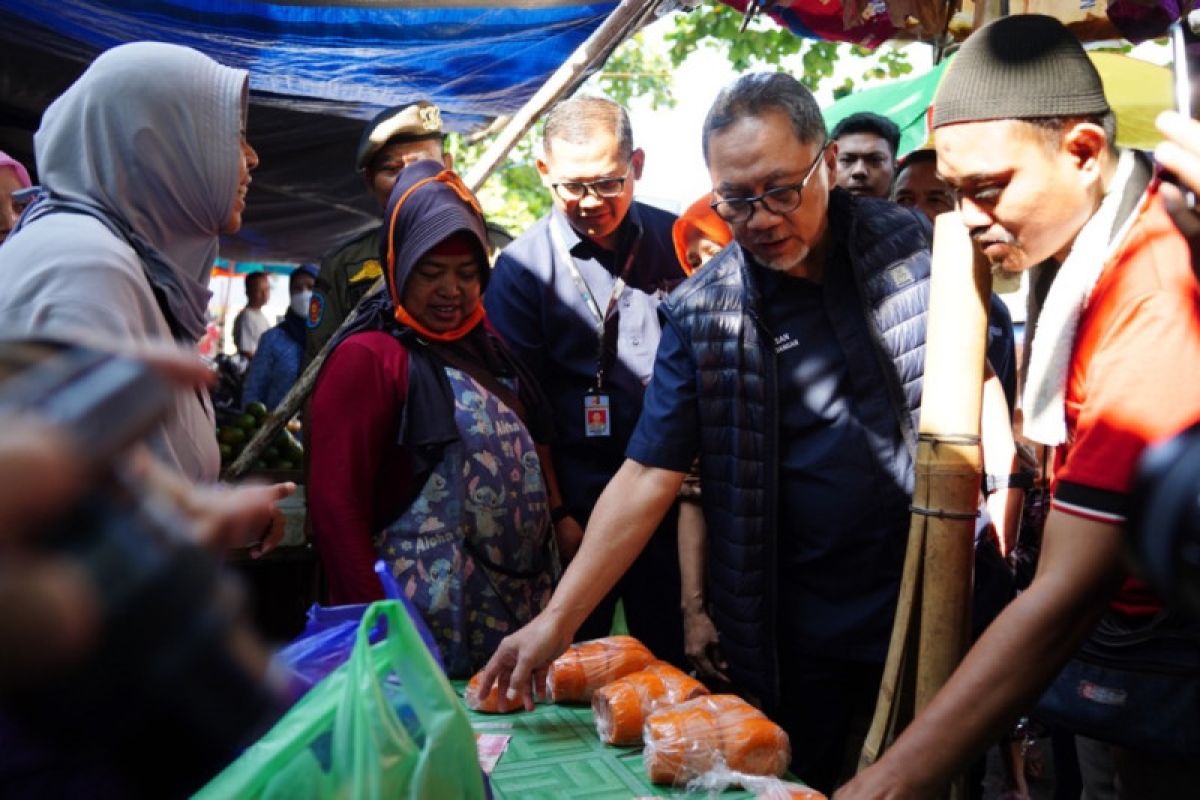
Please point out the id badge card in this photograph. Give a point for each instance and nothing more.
(597, 416)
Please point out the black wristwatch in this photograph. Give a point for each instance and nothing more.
(559, 513)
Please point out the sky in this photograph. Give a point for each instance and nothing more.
(674, 174)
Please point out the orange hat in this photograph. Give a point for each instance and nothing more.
(699, 215)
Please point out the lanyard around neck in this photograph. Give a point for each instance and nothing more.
(589, 299)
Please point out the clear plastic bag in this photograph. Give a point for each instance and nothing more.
(586, 666)
(764, 787)
(715, 732)
(493, 703)
(620, 708)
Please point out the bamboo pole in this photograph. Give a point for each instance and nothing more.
(948, 454)
(933, 612)
(625, 20)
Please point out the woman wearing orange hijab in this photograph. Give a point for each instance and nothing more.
(427, 447)
(699, 234)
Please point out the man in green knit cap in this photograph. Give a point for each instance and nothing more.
(1025, 135)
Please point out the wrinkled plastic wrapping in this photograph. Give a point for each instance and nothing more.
(717, 732)
(585, 667)
(621, 707)
(764, 787)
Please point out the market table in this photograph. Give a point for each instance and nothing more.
(554, 753)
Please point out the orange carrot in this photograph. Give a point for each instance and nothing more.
(586, 666)
(493, 703)
(694, 737)
(620, 708)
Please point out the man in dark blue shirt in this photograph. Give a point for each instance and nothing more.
(576, 297)
(792, 364)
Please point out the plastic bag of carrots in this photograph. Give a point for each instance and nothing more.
(621, 707)
(720, 731)
(586, 666)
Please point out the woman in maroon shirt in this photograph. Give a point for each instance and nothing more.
(426, 439)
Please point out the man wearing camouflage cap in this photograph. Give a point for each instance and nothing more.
(394, 139)
(1025, 135)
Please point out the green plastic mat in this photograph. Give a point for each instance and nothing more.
(554, 753)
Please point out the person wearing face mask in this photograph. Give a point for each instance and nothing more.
(441, 470)
(276, 363)
(396, 138)
(13, 178)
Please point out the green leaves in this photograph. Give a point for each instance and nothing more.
(642, 69)
(513, 196)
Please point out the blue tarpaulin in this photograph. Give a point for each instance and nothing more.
(317, 69)
(474, 60)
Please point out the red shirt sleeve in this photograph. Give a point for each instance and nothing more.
(355, 464)
(1132, 379)
(1143, 385)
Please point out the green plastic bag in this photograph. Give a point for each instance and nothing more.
(344, 738)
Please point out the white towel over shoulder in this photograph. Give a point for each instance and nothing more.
(1043, 401)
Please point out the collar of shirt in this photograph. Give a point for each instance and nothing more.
(583, 248)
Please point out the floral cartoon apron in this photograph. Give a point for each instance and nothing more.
(473, 551)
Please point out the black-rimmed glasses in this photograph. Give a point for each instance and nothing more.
(604, 188)
(780, 200)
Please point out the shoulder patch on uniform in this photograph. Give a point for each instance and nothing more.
(371, 269)
(316, 310)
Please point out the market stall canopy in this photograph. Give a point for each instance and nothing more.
(1136, 90)
(317, 72)
(873, 22)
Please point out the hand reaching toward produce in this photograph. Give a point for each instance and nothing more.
(523, 659)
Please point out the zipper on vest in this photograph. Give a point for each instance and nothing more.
(771, 512)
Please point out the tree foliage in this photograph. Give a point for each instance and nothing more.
(766, 44)
(514, 195)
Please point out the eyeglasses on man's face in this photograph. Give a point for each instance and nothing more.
(604, 188)
(780, 200)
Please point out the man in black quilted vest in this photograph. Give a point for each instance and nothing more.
(791, 364)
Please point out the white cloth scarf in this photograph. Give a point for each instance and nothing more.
(1043, 401)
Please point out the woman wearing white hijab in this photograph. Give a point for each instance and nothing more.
(145, 163)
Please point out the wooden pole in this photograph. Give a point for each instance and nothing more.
(625, 20)
(933, 612)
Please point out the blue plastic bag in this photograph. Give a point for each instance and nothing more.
(330, 633)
